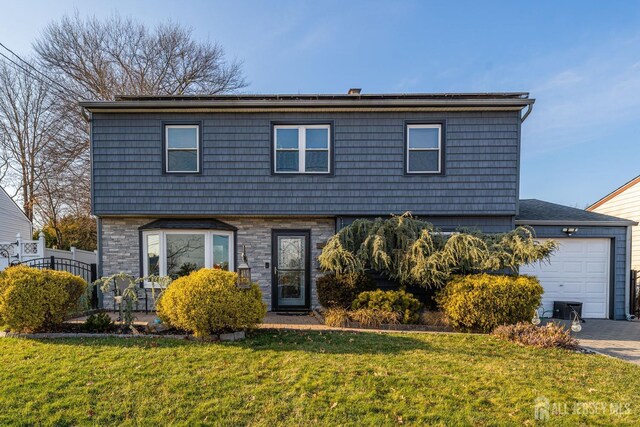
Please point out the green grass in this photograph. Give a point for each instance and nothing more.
(293, 378)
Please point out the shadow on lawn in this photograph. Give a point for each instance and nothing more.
(271, 340)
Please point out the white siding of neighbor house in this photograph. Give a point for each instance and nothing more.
(626, 205)
(12, 220)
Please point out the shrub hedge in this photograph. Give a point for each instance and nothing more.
(481, 302)
(401, 302)
(208, 301)
(551, 335)
(340, 290)
(33, 299)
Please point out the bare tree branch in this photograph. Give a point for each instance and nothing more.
(45, 140)
(103, 59)
(29, 129)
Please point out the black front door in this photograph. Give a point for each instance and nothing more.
(291, 278)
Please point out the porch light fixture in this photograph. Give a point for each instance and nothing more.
(569, 230)
(244, 272)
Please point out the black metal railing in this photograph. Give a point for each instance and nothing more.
(89, 272)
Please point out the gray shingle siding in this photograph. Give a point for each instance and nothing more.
(498, 224)
(481, 164)
(619, 257)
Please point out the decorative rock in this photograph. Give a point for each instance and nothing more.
(239, 335)
(228, 337)
(154, 328)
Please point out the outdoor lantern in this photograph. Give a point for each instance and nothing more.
(244, 272)
(536, 317)
(575, 325)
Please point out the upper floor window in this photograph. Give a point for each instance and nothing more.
(302, 148)
(182, 148)
(424, 148)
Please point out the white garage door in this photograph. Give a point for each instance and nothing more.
(578, 271)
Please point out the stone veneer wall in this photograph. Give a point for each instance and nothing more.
(120, 247)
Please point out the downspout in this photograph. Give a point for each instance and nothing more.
(627, 278)
(526, 114)
(85, 115)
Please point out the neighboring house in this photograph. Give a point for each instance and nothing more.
(12, 219)
(13, 222)
(624, 202)
(183, 182)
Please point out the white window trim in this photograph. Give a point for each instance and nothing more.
(439, 149)
(208, 249)
(167, 149)
(302, 148)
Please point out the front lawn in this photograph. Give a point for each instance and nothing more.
(300, 378)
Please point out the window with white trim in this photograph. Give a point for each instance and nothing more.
(182, 148)
(424, 148)
(176, 253)
(302, 148)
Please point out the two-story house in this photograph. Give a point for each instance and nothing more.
(184, 182)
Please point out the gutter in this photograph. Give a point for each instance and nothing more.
(621, 223)
(303, 103)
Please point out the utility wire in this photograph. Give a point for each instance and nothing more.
(56, 91)
(65, 89)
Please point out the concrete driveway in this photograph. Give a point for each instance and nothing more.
(615, 338)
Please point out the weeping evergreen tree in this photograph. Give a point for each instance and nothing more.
(413, 252)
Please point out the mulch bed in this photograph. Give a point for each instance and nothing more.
(390, 327)
(394, 327)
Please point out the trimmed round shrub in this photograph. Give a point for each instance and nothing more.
(481, 302)
(339, 291)
(403, 303)
(33, 299)
(208, 302)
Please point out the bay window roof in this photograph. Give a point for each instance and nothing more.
(188, 224)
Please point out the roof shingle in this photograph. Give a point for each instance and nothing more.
(533, 211)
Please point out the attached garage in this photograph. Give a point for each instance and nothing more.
(592, 264)
(578, 271)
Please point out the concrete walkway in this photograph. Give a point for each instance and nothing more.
(273, 320)
(615, 338)
(303, 321)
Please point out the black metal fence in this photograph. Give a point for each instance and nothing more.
(88, 272)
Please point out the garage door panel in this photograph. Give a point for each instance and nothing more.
(572, 247)
(572, 267)
(571, 287)
(578, 271)
(597, 247)
(598, 309)
(595, 267)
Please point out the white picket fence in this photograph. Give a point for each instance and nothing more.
(24, 250)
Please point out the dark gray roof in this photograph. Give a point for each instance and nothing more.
(539, 212)
(325, 96)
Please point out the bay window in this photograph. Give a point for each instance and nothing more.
(176, 253)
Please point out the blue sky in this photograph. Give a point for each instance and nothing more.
(579, 59)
